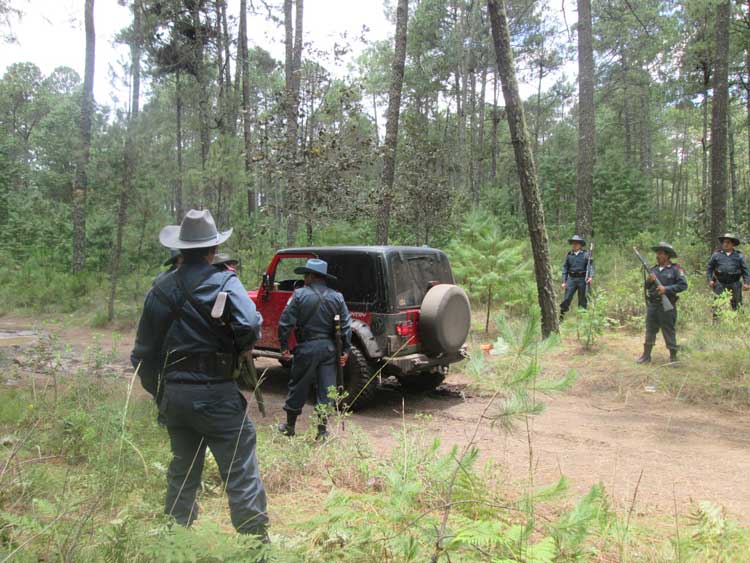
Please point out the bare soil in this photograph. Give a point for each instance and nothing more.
(653, 452)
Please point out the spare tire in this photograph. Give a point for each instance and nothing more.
(445, 319)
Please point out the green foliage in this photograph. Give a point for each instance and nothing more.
(489, 266)
(591, 322)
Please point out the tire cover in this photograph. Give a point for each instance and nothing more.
(445, 319)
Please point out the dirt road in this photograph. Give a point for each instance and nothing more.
(672, 452)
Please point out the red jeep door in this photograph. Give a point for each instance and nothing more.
(282, 283)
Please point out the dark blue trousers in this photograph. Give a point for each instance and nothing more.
(314, 362)
(575, 285)
(213, 416)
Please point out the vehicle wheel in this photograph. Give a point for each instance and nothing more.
(444, 319)
(422, 382)
(358, 381)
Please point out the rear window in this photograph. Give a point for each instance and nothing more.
(357, 276)
(413, 274)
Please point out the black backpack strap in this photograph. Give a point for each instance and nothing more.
(220, 329)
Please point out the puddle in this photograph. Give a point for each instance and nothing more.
(16, 337)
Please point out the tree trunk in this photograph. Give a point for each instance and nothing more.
(293, 65)
(390, 143)
(130, 157)
(732, 168)
(482, 117)
(495, 123)
(719, 123)
(704, 195)
(586, 122)
(525, 163)
(80, 179)
(473, 188)
(203, 99)
(244, 69)
(178, 208)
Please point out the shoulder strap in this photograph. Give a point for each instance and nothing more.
(314, 312)
(220, 329)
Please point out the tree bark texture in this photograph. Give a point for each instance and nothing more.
(525, 164)
(244, 70)
(719, 123)
(178, 205)
(130, 157)
(586, 122)
(292, 67)
(80, 179)
(390, 143)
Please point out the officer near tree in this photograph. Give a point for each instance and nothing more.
(665, 278)
(727, 270)
(187, 361)
(577, 274)
(310, 312)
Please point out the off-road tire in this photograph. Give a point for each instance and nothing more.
(358, 381)
(421, 382)
(444, 319)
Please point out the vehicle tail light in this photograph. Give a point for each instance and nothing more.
(409, 329)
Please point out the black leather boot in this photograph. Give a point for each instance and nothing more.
(287, 428)
(673, 356)
(646, 357)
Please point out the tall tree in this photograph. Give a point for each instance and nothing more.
(244, 69)
(293, 71)
(719, 109)
(586, 122)
(80, 180)
(390, 143)
(532, 199)
(130, 157)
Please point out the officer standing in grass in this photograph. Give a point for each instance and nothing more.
(310, 312)
(577, 274)
(727, 270)
(672, 281)
(187, 361)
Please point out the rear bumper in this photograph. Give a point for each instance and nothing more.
(413, 363)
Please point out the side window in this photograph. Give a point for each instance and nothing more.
(284, 278)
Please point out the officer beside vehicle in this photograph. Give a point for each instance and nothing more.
(310, 312)
(577, 274)
(727, 270)
(187, 361)
(665, 278)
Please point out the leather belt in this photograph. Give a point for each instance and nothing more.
(218, 364)
(577, 274)
(314, 336)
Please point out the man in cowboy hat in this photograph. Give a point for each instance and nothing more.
(727, 270)
(577, 274)
(174, 261)
(672, 281)
(310, 312)
(186, 360)
(224, 261)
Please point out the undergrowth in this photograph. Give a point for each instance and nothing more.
(82, 478)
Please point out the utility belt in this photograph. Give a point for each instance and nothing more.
(310, 336)
(728, 279)
(217, 365)
(577, 274)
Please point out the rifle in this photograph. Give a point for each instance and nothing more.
(339, 353)
(245, 372)
(666, 304)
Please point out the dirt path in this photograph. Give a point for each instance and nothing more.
(597, 433)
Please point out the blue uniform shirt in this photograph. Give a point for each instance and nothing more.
(159, 335)
(577, 263)
(303, 314)
(728, 268)
(672, 277)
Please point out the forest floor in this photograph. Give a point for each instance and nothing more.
(654, 451)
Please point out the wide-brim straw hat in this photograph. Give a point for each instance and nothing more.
(729, 236)
(197, 230)
(666, 247)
